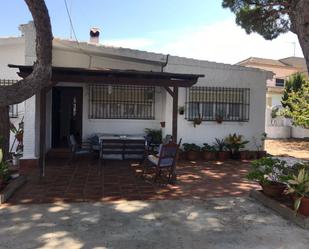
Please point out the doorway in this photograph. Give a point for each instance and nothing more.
(67, 115)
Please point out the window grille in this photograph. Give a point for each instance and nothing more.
(213, 103)
(13, 112)
(121, 102)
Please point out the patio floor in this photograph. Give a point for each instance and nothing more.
(121, 180)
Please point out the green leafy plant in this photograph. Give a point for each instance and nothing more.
(297, 106)
(191, 147)
(298, 184)
(4, 168)
(220, 144)
(155, 135)
(208, 147)
(267, 170)
(235, 142)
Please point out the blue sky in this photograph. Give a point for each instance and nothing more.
(198, 28)
(117, 18)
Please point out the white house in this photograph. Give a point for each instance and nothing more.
(235, 93)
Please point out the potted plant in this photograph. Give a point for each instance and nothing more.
(298, 186)
(19, 134)
(154, 135)
(209, 152)
(234, 143)
(221, 148)
(162, 124)
(181, 110)
(192, 150)
(197, 121)
(219, 116)
(267, 171)
(259, 145)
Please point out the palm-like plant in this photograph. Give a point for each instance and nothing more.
(299, 186)
(220, 144)
(235, 142)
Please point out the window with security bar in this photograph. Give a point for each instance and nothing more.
(13, 112)
(218, 103)
(121, 102)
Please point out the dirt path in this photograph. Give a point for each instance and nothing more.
(288, 147)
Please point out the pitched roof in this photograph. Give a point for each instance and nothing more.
(293, 61)
(263, 61)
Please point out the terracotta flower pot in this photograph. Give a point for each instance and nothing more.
(223, 155)
(261, 153)
(209, 155)
(304, 205)
(244, 155)
(192, 155)
(274, 189)
(162, 124)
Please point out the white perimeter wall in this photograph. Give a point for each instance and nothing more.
(224, 76)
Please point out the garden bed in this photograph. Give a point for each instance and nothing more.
(282, 205)
(9, 189)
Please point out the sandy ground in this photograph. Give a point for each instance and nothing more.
(288, 147)
(220, 223)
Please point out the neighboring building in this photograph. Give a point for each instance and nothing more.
(236, 93)
(282, 69)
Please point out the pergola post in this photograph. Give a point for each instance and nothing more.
(175, 114)
(42, 146)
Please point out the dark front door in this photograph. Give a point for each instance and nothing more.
(67, 114)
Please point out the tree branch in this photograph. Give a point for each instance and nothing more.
(41, 75)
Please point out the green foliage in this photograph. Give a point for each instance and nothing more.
(297, 105)
(293, 84)
(155, 135)
(266, 17)
(208, 147)
(220, 144)
(298, 184)
(4, 168)
(267, 170)
(235, 142)
(191, 147)
(274, 112)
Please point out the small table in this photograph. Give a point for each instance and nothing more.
(122, 145)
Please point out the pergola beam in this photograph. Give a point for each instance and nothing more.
(42, 147)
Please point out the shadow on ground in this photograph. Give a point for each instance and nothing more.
(215, 223)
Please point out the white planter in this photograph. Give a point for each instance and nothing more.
(278, 131)
(299, 132)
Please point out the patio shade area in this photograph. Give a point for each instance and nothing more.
(169, 81)
(121, 180)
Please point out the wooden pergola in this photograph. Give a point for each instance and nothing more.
(169, 81)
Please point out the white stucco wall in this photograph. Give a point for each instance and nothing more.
(222, 75)
(216, 74)
(108, 126)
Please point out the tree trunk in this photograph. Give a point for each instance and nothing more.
(5, 130)
(300, 26)
(38, 79)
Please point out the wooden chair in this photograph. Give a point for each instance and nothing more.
(165, 160)
(78, 149)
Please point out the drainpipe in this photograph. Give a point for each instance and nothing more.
(165, 63)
